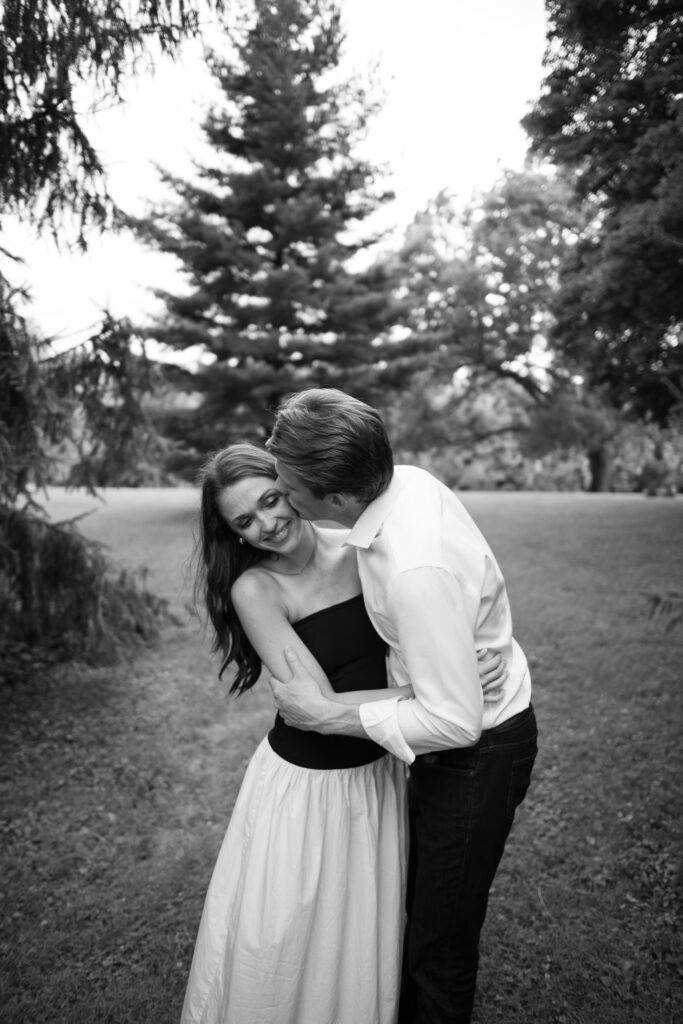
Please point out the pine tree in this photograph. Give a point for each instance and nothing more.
(48, 48)
(60, 597)
(268, 234)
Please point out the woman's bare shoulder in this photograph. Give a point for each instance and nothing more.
(255, 583)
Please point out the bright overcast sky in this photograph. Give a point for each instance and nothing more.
(457, 77)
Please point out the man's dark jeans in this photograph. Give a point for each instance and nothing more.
(463, 803)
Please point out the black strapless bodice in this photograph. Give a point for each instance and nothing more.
(343, 641)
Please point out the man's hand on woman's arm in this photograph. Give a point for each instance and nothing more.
(302, 704)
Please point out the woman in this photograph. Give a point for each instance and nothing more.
(303, 919)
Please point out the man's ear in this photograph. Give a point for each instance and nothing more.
(339, 501)
(343, 508)
(343, 504)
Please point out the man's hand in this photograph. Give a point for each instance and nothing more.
(492, 675)
(300, 701)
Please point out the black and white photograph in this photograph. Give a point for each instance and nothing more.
(341, 512)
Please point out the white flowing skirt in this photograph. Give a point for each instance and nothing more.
(304, 916)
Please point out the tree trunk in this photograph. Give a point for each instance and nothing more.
(598, 464)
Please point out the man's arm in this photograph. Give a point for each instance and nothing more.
(301, 703)
(451, 681)
(434, 614)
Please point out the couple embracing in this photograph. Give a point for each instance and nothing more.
(353, 881)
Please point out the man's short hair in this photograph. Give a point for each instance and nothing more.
(335, 443)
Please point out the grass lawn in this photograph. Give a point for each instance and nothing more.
(117, 783)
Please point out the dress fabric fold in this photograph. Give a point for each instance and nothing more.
(304, 915)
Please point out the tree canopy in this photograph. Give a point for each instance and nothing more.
(611, 112)
(482, 285)
(59, 594)
(480, 281)
(50, 51)
(267, 234)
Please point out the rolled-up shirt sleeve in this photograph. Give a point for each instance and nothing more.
(434, 615)
(380, 721)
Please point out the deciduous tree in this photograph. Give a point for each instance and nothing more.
(482, 286)
(611, 111)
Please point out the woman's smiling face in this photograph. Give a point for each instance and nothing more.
(254, 508)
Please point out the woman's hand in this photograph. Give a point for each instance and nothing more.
(492, 674)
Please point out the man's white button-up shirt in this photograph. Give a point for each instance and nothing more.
(435, 593)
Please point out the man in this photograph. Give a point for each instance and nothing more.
(435, 593)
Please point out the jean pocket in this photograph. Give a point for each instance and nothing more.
(459, 761)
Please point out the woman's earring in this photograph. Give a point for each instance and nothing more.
(241, 540)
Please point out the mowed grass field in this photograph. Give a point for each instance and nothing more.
(117, 783)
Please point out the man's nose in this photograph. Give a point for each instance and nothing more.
(281, 486)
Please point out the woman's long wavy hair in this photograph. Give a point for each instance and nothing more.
(221, 558)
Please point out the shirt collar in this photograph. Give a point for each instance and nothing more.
(369, 523)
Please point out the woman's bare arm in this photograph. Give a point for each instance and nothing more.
(263, 614)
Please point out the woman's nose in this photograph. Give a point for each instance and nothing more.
(266, 519)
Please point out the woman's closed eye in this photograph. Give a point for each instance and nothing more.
(269, 501)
